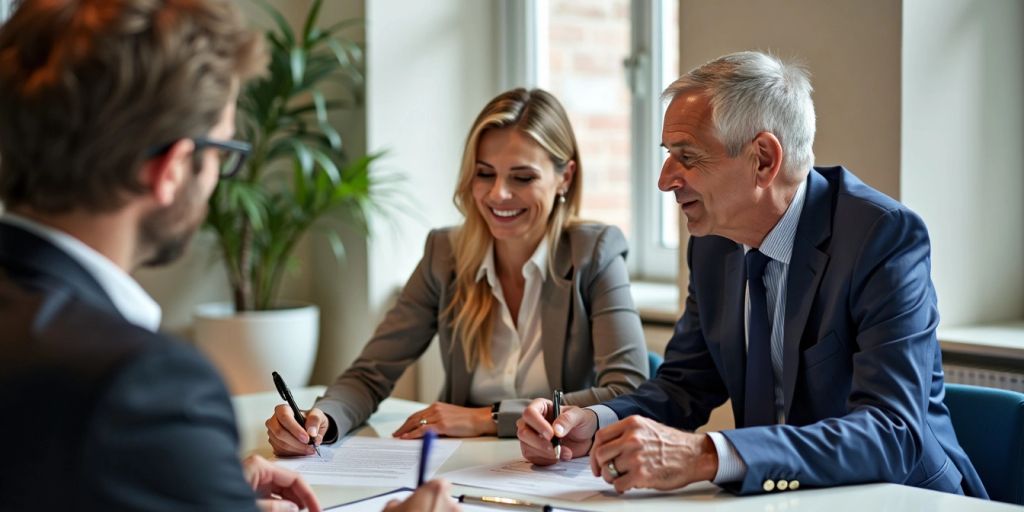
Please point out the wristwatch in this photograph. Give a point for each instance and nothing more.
(495, 407)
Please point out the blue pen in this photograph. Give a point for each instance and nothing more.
(428, 442)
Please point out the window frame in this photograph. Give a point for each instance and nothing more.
(523, 56)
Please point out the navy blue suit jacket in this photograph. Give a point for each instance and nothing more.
(101, 414)
(862, 369)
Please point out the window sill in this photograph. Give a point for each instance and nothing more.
(658, 303)
(1000, 340)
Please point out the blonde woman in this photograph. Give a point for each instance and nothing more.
(523, 297)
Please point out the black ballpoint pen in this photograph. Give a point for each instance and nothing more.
(286, 394)
(556, 441)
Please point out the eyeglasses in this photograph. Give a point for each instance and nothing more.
(232, 153)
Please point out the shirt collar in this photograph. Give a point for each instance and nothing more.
(536, 265)
(778, 244)
(134, 304)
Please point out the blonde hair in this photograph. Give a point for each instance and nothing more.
(539, 115)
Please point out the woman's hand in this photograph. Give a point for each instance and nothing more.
(287, 437)
(448, 420)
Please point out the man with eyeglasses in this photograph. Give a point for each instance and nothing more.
(116, 119)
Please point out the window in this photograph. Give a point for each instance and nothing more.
(608, 61)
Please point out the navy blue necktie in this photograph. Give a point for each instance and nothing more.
(759, 398)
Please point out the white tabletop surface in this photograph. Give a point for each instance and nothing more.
(253, 410)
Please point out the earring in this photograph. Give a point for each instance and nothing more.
(561, 197)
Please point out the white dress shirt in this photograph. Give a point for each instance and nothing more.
(134, 304)
(518, 370)
(778, 246)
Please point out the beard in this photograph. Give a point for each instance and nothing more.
(165, 234)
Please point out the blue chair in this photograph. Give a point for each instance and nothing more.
(654, 362)
(989, 424)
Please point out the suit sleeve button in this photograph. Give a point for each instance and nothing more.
(768, 486)
(794, 485)
(782, 485)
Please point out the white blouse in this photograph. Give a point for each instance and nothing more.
(518, 356)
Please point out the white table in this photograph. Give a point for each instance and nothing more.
(253, 410)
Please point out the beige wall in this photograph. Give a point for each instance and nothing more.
(852, 48)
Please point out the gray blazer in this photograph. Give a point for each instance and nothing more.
(592, 339)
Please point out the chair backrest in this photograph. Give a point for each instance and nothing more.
(989, 424)
(654, 362)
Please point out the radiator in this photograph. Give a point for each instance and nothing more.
(984, 377)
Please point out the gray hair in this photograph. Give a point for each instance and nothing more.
(753, 92)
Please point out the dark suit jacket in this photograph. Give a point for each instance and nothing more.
(100, 414)
(862, 370)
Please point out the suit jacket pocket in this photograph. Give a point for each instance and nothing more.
(822, 350)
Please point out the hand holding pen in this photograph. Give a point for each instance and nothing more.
(291, 433)
(536, 429)
(556, 442)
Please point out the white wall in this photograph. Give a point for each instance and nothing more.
(432, 66)
(963, 150)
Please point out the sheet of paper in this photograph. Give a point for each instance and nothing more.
(377, 503)
(570, 480)
(370, 462)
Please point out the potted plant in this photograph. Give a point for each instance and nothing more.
(295, 176)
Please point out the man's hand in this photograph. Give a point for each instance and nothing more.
(287, 437)
(268, 480)
(432, 496)
(448, 420)
(649, 455)
(575, 426)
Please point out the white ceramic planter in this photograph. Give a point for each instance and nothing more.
(247, 347)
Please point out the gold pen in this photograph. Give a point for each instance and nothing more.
(495, 501)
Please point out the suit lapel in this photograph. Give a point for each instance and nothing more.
(734, 347)
(31, 259)
(806, 267)
(555, 314)
(459, 377)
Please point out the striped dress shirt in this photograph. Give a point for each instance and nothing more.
(777, 245)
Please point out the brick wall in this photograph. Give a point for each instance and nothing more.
(588, 41)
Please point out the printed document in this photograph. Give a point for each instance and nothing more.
(377, 503)
(566, 480)
(570, 480)
(369, 462)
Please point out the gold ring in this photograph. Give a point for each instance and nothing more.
(423, 421)
(612, 470)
